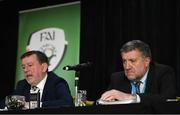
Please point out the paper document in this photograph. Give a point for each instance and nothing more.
(101, 102)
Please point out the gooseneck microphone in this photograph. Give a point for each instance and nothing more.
(77, 67)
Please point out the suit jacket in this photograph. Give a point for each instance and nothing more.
(160, 84)
(56, 91)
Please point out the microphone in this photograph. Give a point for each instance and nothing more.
(34, 97)
(77, 67)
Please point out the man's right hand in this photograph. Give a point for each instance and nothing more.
(113, 94)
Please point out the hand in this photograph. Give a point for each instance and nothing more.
(113, 94)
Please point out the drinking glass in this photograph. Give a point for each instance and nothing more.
(82, 97)
(15, 102)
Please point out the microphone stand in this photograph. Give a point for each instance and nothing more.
(78, 101)
(76, 88)
(78, 96)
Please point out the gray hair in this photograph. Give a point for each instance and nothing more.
(137, 45)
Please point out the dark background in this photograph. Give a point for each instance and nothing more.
(105, 26)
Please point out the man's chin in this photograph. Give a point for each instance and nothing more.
(131, 78)
(29, 80)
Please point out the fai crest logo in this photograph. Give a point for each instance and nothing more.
(52, 42)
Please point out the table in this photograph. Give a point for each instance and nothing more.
(164, 107)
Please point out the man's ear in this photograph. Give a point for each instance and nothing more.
(44, 67)
(148, 60)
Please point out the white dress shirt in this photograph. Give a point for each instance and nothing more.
(41, 85)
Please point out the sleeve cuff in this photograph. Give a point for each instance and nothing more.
(138, 99)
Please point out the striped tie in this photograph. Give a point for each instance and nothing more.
(137, 84)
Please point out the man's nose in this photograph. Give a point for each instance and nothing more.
(127, 65)
(26, 69)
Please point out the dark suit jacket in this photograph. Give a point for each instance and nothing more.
(56, 91)
(160, 85)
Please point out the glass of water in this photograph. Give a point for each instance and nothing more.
(15, 102)
(82, 97)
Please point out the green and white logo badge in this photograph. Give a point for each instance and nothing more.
(52, 42)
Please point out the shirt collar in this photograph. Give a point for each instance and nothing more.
(143, 79)
(42, 83)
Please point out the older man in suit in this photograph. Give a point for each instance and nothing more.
(156, 82)
(54, 90)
